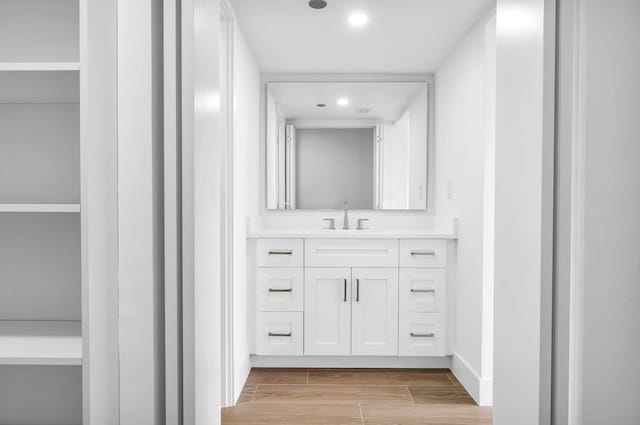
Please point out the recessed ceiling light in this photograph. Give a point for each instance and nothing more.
(358, 19)
(317, 4)
(343, 101)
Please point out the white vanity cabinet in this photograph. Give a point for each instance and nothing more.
(351, 297)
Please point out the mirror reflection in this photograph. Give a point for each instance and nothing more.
(364, 143)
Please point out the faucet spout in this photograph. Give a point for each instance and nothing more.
(345, 225)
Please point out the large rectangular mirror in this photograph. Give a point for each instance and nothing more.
(364, 143)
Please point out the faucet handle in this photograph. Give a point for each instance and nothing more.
(361, 221)
(332, 223)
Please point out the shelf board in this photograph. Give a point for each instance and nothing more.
(40, 343)
(45, 208)
(39, 66)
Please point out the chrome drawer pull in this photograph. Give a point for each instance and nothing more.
(428, 253)
(280, 290)
(423, 290)
(278, 334)
(280, 252)
(414, 335)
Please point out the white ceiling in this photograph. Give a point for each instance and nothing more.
(402, 36)
(387, 101)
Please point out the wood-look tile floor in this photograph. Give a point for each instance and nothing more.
(354, 397)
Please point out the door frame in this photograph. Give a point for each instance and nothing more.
(202, 192)
(570, 216)
(227, 29)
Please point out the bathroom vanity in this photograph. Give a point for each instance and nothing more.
(384, 292)
(371, 290)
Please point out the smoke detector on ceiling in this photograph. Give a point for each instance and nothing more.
(317, 4)
(363, 110)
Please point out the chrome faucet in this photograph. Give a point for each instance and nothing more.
(345, 225)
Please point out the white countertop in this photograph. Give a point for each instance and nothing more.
(378, 227)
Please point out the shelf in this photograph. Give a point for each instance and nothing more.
(44, 208)
(40, 343)
(39, 66)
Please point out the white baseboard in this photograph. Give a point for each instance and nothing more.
(351, 362)
(480, 389)
(241, 374)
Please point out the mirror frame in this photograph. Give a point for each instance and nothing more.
(267, 78)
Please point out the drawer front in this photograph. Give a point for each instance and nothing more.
(280, 289)
(279, 334)
(279, 253)
(422, 334)
(430, 253)
(423, 290)
(351, 253)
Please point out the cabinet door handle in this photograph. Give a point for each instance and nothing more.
(423, 290)
(358, 290)
(280, 252)
(415, 335)
(280, 334)
(427, 253)
(345, 291)
(280, 290)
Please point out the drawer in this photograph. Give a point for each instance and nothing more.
(423, 290)
(422, 334)
(430, 253)
(279, 252)
(279, 334)
(351, 253)
(280, 289)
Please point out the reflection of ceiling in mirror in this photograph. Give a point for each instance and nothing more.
(380, 101)
(401, 36)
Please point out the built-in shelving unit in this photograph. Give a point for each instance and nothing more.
(40, 253)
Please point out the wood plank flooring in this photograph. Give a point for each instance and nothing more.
(354, 397)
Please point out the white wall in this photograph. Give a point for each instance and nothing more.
(610, 102)
(140, 206)
(99, 198)
(202, 154)
(524, 211)
(246, 192)
(463, 119)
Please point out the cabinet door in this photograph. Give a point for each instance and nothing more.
(375, 312)
(327, 312)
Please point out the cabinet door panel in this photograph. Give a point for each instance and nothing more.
(327, 312)
(375, 312)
